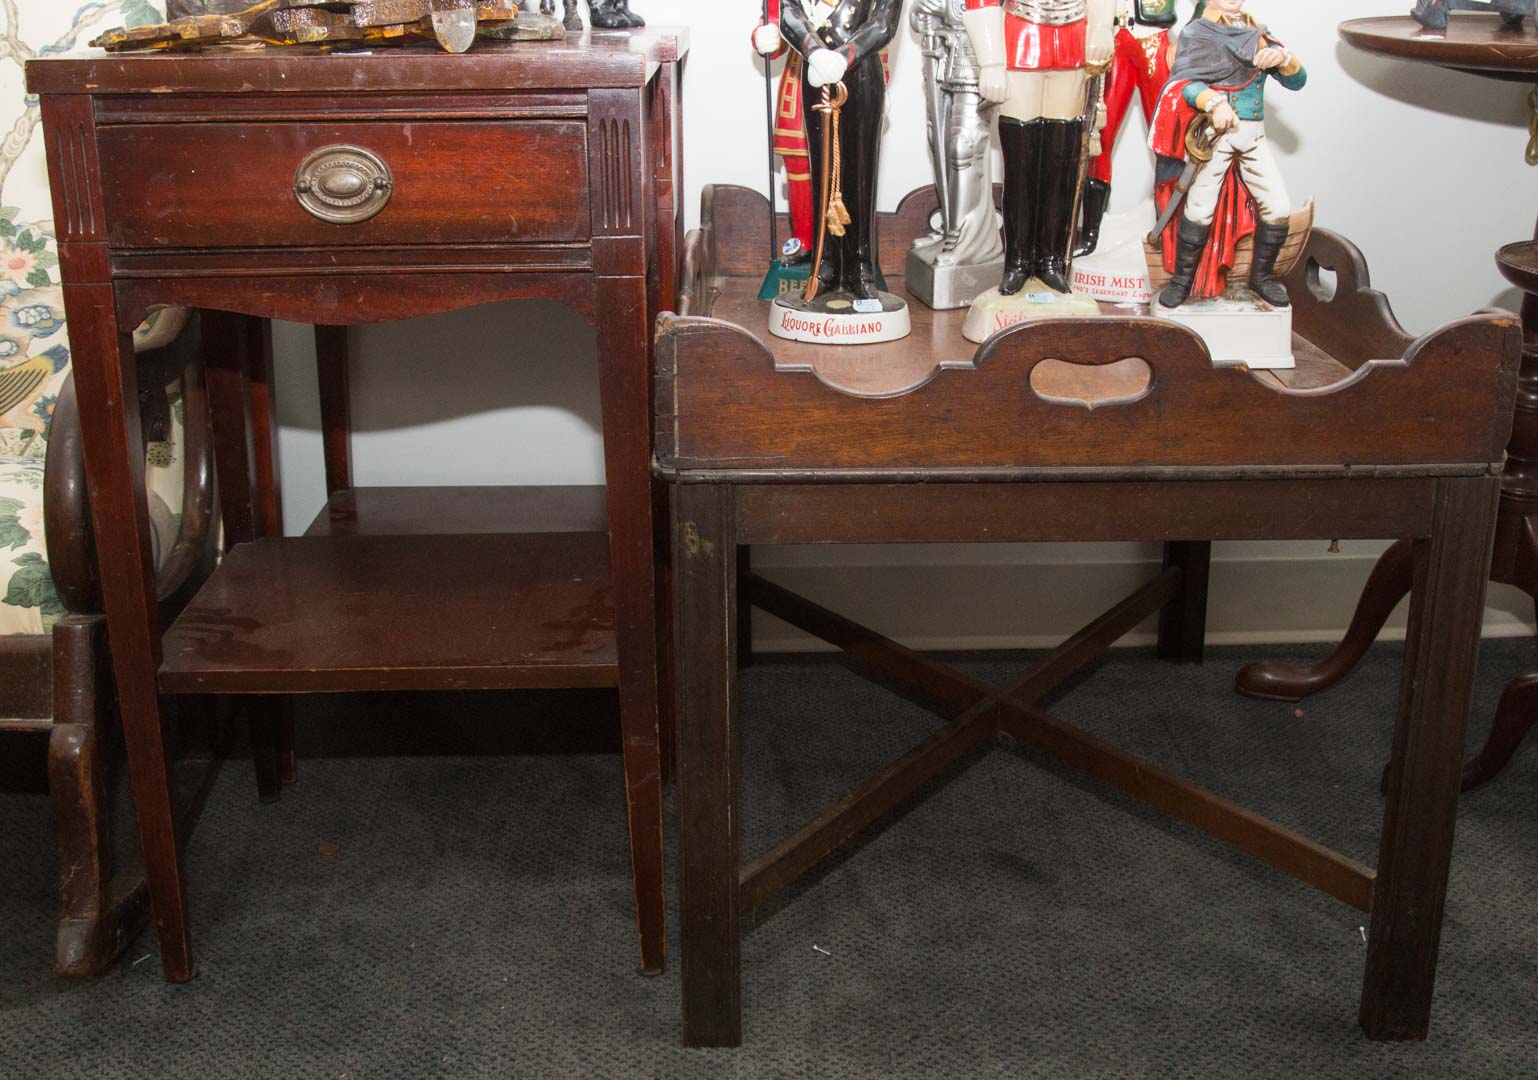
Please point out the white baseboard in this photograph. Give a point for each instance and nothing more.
(961, 604)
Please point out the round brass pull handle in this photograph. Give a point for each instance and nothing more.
(343, 185)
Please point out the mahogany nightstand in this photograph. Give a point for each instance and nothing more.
(340, 188)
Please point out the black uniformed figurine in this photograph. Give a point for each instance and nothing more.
(842, 42)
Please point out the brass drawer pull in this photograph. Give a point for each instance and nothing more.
(343, 184)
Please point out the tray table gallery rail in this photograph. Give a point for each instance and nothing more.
(1115, 429)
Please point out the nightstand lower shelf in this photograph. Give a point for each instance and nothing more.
(357, 613)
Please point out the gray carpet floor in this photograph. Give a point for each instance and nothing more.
(419, 907)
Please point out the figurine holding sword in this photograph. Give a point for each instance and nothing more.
(1214, 105)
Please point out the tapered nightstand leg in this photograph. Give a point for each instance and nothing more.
(620, 159)
(106, 379)
(625, 388)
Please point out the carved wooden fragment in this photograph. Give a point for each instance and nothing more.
(455, 24)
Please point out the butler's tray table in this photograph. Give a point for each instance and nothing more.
(1110, 429)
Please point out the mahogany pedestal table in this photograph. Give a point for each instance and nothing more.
(340, 188)
(1112, 429)
(1476, 44)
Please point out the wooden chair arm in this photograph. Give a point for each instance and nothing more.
(66, 508)
(67, 511)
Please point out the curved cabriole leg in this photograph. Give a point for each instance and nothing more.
(1517, 712)
(1516, 715)
(1388, 585)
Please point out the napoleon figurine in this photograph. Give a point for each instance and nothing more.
(1223, 64)
(840, 44)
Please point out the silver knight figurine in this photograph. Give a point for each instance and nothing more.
(964, 256)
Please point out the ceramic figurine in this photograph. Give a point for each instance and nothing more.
(613, 15)
(1141, 66)
(844, 99)
(964, 256)
(1432, 14)
(572, 17)
(1043, 60)
(789, 142)
(1210, 126)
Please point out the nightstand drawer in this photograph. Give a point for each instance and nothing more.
(310, 184)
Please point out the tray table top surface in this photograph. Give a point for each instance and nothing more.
(937, 344)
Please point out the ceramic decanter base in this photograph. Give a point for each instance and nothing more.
(837, 318)
(993, 311)
(945, 286)
(1238, 330)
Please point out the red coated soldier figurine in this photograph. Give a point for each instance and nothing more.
(1141, 65)
(1035, 58)
(790, 140)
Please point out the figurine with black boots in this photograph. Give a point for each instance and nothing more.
(844, 98)
(1042, 59)
(1141, 66)
(613, 15)
(1215, 105)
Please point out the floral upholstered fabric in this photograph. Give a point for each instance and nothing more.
(34, 341)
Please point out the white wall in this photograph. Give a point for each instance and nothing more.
(1422, 168)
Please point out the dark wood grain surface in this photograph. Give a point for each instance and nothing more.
(451, 183)
(937, 344)
(1471, 42)
(592, 60)
(732, 409)
(423, 511)
(373, 613)
(541, 171)
(1479, 44)
(1119, 393)
(1072, 429)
